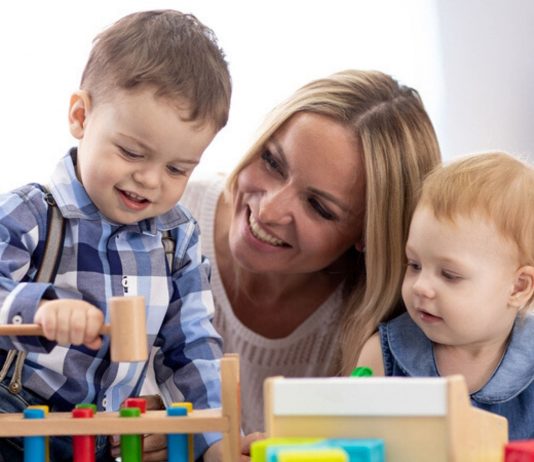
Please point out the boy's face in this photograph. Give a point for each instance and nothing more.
(135, 152)
(460, 280)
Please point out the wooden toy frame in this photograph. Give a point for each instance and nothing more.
(419, 419)
(225, 420)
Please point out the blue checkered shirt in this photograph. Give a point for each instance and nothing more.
(100, 260)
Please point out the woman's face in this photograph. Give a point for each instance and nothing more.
(299, 205)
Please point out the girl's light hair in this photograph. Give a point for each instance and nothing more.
(399, 147)
(494, 186)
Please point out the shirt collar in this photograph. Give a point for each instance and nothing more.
(74, 202)
(411, 348)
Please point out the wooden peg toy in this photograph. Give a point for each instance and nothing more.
(127, 329)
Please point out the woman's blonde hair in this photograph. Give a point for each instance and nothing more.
(399, 148)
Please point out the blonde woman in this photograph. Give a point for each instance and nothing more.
(306, 237)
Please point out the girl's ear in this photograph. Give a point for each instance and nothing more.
(80, 105)
(523, 287)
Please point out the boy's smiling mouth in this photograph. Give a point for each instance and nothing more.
(133, 200)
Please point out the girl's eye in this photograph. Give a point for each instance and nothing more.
(129, 154)
(271, 162)
(450, 276)
(320, 209)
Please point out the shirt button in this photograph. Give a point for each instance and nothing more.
(17, 319)
(104, 402)
(125, 281)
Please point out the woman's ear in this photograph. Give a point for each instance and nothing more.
(523, 287)
(80, 105)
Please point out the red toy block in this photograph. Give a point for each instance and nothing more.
(519, 451)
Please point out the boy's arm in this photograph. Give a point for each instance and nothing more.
(22, 231)
(371, 356)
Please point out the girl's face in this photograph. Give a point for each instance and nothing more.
(299, 205)
(459, 280)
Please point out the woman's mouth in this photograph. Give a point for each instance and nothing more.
(263, 236)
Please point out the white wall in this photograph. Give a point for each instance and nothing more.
(273, 47)
(471, 60)
(488, 76)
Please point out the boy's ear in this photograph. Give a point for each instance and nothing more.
(523, 287)
(80, 105)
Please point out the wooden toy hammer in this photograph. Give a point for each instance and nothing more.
(127, 329)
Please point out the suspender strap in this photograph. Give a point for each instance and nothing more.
(55, 234)
(169, 246)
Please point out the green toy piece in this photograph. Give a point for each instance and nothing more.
(361, 371)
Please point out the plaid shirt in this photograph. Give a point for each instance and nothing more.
(101, 259)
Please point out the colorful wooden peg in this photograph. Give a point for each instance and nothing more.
(177, 443)
(131, 448)
(83, 446)
(34, 446)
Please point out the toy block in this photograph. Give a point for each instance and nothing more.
(312, 455)
(419, 419)
(127, 329)
(519, 451)
(359, 450)
(258, 449)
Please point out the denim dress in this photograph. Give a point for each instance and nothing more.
(407, 352)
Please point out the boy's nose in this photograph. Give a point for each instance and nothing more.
(147, 177)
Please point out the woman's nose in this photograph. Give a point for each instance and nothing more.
(276, 207)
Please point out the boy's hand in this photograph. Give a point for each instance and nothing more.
(70, 321)
(214, 452)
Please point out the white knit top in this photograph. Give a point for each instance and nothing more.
(307, 352)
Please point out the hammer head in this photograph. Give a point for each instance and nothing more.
(128, 329)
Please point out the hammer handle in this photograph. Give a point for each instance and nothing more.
(36, 329)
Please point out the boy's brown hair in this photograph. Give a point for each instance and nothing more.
(168, 50)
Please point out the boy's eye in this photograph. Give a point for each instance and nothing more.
(320, 209)
(129, 154)
(175, 170)
(271, 162)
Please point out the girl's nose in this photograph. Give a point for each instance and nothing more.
(423, 286)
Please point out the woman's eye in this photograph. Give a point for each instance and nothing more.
(320, 209)
(271, 162)
(413, 266)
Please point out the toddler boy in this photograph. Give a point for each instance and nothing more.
(154, 93)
